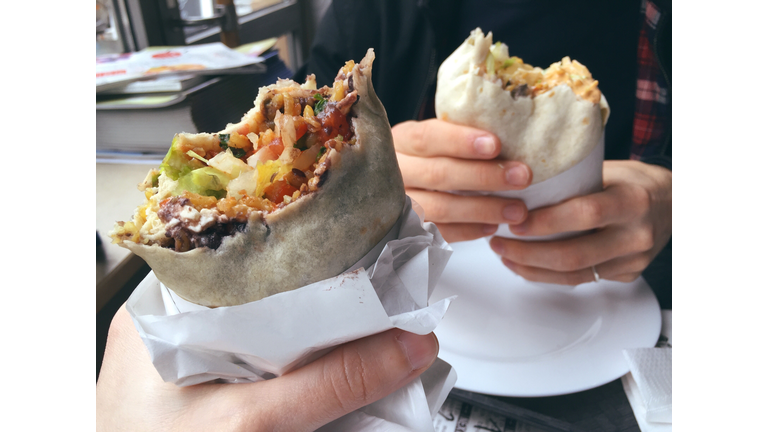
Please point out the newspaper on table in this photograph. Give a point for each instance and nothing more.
(459, 416)
(116, 70)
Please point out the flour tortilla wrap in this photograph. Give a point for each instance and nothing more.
(317, 236)
(550, 132)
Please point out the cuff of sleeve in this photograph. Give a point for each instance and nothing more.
(664, 161)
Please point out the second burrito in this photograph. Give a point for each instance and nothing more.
(549, 119)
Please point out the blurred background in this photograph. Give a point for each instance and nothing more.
(134, 127)
(132, 25)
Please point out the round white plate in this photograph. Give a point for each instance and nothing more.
(507, 336)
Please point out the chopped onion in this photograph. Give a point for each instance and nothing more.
(307, 158)
(228, 163)
(247, 181)
(289, 155)
(288, 131)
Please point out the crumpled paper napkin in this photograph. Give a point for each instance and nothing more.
(389, 288)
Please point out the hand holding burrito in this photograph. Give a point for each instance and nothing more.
(279, 240)
(130, 394)
(436, 157)
(630, 221)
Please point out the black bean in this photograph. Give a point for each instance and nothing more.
(521, 90)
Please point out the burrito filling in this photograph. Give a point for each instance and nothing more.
(522, 79)
(208, 185)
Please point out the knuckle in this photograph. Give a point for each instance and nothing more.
(644, 238)
(568, 262)
(418, 138)
(591, 212)
(435, 174)
(485, 177)
(437, 211)
(349, 386)
(641, 199)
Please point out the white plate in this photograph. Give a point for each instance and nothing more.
(507, 336)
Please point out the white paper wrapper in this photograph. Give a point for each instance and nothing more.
(586, 177)
(388, 288)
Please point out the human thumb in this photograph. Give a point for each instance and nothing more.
(351, 376)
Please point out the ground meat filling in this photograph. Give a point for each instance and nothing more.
(190, 228)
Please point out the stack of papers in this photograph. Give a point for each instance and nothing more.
(143, 99)
(163, 68)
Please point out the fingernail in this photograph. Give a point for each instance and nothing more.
(490, 229)
(485, 146)
(517, 175)
(513, 212)
(421, 350)
(496, 246)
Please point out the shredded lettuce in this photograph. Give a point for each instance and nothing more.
(206, 181)
(490, 64)
(197, 156)
(228, 163)
(508, 62)
(174, 164)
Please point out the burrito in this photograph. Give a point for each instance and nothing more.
(298, 191)
(549, 118)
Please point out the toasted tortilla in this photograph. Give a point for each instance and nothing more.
(318, 236)
(550, 132)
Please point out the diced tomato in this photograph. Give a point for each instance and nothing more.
(277, 190)
(344, 130)
(277, 145)
(264, 155)
(331, 117)
(301, 129)
(334, 124)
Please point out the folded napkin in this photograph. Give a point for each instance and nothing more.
(649, 383)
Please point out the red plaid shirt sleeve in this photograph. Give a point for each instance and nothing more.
(652, 128)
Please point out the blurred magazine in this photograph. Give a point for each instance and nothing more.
(146, 123)
(160, 84)
(114, 71)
